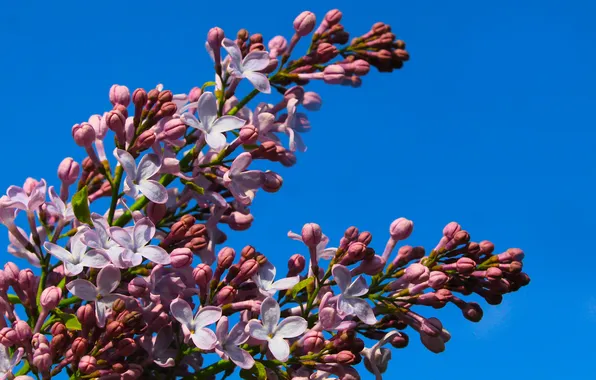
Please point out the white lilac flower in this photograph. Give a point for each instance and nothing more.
(229, 342)
(7, 363)
(159, 347)
(242, 183)
(58, 208)
(194, 327)
(78, 257)
(265, 280)
(349, 301)
(275, 333)
(138, 178)
(248, 67)
(134, 241)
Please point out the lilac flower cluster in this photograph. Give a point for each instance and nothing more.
(147, 288)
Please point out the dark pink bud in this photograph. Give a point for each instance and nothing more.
(326, 52)
(401, 228)
(86, 316)
(248, 134)
(42, 360)
(27, 280)
(450, 229)
(58, 328)
(248, 269)
(416, 273)
(226, 295)
(126, 347)
(277, 46)
(372, 266)
(214, 38)
(145, 140)
(360, 67)
(312, 101)
(194, 94)
(119, 95)
(138, 286)
(225, 258)
(400, 341)
(355, 253)
(437, 280)
(494, 274)
(304, 23)
(68, 171)
(11, 272)
(465, 265)
(272, 182)
(181, 257)
(202, 274)
(115, 328)
(3, 281)
(472, 312)
(50, 298)
(486, 247)
(134, 372)
(83, 134)
(115, 121)
(23, 331)
(79, 346)
(516, 254)
(87, 364)
(313, 342)
(296, 264)
(433, 343)
(156, 211)
(139, 97)
(333, 17)
(8, 337)
(311, 234)
(365, 238)
(333, 74)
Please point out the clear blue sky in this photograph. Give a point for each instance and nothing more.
(490, 124)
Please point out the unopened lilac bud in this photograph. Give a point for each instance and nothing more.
(181, 257)
(86, 316)
(472, 312)
(139, 97)
(304, 23)
(360, 67)
(326, 52)
(365, 237)
(400, 341)
(354, 254)
(272, 182)
(312, 101)
(11, 272)
(145, 141)
(87, 364)
(79, 346)
(494, 274)
(343, 357)
(248, 252)
(194, 94)
(214, 38)
(311, 234)
(450, 229)
(156, 211)
(465, 265)
(83, 134)
(42, 360)
(248, 134)
(225, 258)
(202, 274)
(333, 17)
(416, 273)
(114, 329)
(226, 295)
(23, 331)
(138, 287)
(313, 342)
(58, 328)
(372, 266)
(68, 171)
(248, 269)
(119, 95)
(277, 46)
(437, 280)
(27, 280)
(296, 92)
(401, 228)
(333, 74)
(296, 264)
(50, 298)
(486, 247)
(126, 347)
(115, 121)
(8, 337)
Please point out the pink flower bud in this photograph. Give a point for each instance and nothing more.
(119, 95)
(27, 280)
(296, 264)
(437, 280)
(277, 46)
(83, 134)
(365, 237)
(139, 97)
(11, 272)
(115, 121)
(202, 274)
(333, 17)
(494, 274)
(248, 269)
(87, 364)
(30, 184)
(145, 140)
(86, 316)
(465, 265)
(354, 254)
(79, 346)
(472, 312)
(371, 266)
(450, 229)
(50, 298)
(312, 235)
(248, 134)
(181, 257)
(416, 273)
(304, 23)
(68, 171)
(225, 258)
(23, 331)
(214, 38)
(401, 228)
(326, 52)
(486, 247)
(8, 337)
(333, 74)
(313, 342)
(127, 347)
(272, 182)
(312, 101)
(194, 94)
(360, 67)
(156, 211)
(42, 360)
(138, 286)
(226, 295)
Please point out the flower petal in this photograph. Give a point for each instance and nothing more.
(215, 140)
(82, 289)
(260, 81)
(122, 237)
(181, 310)
(342, 276)
(154, 253)
(344, 307)
(153, 190)
(72, 270)
(227, 123)
(58, 252)
(357, 288)
(255, 329)
(286, 283)
(233, 50)
(291, 327)
(207, 315)
(149, 165)
(363, 311)
(238, 334)
(108, 280)
(207, 109)
(266, 275)
(143, 232)
(240, 357)
(270, 313)
(127, 161)
(204, 339)
(222, 329)
(256, 61)
(240, 163)
(279, 348)
(95, 259)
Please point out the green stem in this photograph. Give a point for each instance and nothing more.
(243, 102)
(213, 369)
(68, 301)
(115, 188)
(13, 299)
(24, 369)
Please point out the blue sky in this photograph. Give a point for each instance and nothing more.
(490, 124)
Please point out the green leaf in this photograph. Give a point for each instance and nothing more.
(261, 372)
(70, 321)
(80, 206)
(301, 285)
